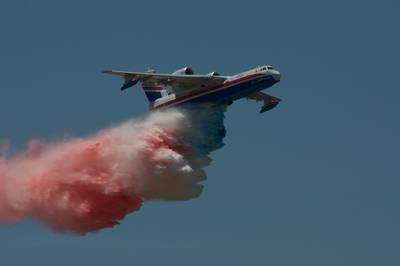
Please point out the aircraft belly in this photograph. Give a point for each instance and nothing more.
(227, 94)
(235, 92)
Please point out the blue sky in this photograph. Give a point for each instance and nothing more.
(313, 182)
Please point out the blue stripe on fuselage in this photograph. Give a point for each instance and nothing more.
(237, 91)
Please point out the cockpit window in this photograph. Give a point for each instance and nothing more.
(264, 68)
(270, 67)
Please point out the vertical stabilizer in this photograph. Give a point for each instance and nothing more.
(154, 91)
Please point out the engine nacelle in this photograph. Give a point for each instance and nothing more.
(212, 74)
(184, 71)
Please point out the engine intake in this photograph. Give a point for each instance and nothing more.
(212, 74)
(184, 71)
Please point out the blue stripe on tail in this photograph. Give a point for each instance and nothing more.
(153, 91)
(153, 95)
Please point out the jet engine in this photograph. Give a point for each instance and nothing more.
(212, 74)
(184, 71)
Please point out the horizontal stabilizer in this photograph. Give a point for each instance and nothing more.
(129, 84)
(130, 79)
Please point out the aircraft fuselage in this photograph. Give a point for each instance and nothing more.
(234, 88)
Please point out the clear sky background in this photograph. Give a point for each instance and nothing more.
(313, 182)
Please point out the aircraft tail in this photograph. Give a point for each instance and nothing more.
(154, 91)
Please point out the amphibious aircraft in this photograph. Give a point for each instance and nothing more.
(183, 86)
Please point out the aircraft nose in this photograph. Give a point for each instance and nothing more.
(276, 75)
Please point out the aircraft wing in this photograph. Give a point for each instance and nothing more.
(269, 100)
(182, 81)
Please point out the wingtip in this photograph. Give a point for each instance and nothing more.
(107, 71)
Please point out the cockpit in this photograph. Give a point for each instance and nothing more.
(265, 68)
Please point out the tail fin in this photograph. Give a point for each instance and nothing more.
(154, 91)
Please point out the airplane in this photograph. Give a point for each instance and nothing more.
(183, 86)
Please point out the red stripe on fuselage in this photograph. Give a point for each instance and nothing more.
(208, 90)
(153, 88)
